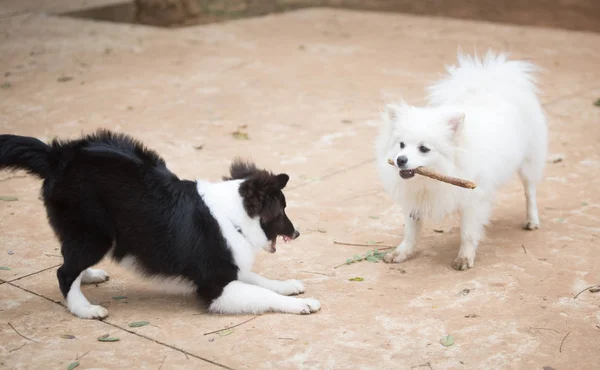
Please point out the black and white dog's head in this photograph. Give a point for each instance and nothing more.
(262, 196)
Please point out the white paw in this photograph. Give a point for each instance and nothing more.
(396, 257)
(463, 263)
(303, 306)
(94, 276)
(531, 225)
(89, 311)
(290, 287)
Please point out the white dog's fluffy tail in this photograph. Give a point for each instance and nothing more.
(493, 75)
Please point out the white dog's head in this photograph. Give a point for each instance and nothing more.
(421, 137)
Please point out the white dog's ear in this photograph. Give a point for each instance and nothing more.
(391, 114)
(456, 121)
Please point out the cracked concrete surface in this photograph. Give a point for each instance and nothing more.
(309, 85)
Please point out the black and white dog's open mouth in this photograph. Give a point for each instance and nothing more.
(407, 174)
(273, 247)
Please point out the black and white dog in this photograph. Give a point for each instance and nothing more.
(108, 194)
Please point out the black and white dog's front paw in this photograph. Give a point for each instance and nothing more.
(302, 306)
(289, 287)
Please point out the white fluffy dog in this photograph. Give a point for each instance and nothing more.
(483, 123)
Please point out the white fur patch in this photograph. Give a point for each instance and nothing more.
(226, 206)
(242, 298)
(79, 306)
(94, 276)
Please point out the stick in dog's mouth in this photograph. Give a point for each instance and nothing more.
(407, 174)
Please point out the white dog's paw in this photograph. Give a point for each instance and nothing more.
(396, 257)
(289, 287)
(90, 312)
(531, 225)
(94, 276)
(463, 263)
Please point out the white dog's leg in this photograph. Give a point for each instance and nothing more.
(94, 276)
(529, 177)
(285, 287)
(242, 298)
(412, 230)
(473, 218)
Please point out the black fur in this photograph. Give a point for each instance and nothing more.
(107, 190)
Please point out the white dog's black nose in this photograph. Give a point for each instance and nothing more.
(401, 161)
(296, 234)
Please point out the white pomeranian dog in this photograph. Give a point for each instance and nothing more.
(483, 122)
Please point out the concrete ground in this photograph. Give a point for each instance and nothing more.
(306, 87)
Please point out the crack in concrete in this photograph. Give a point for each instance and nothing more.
(125, 329)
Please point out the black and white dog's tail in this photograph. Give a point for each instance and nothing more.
(25, 153)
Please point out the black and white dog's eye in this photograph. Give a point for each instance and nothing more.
(424, 149)
(401, 145)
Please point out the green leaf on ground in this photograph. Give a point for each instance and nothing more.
(597, 102)
(73, 365)
(240, 135)
(447, 340)
(108, 339)
(67, 336)
(119, 297)
(138, 324)
(357, 278)
(8, 198)
(5, 268)
(225, 332)
(6, 85)
(374, 217)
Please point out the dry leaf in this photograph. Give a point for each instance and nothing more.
(67, 336)
(8, 198)
(138, 324)
(64, 79)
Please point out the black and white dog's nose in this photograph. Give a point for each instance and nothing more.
(401, 161)
(296, 234)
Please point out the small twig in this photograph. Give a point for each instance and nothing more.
(77, 358)
(554, 330)
(21, 335)
(563, 342)
(525, 249)
(588, 288)
(52, 255)
(314, 272)
(375, 246)
(18, 348)
(437, 176)
(423, 365)
(231, 327)
(162, 363)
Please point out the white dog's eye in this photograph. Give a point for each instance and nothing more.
(401, 145)
(424, 149)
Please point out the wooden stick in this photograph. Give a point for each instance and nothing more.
(436, 176)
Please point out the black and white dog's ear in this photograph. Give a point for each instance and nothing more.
(282, 180)
(241, 169)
